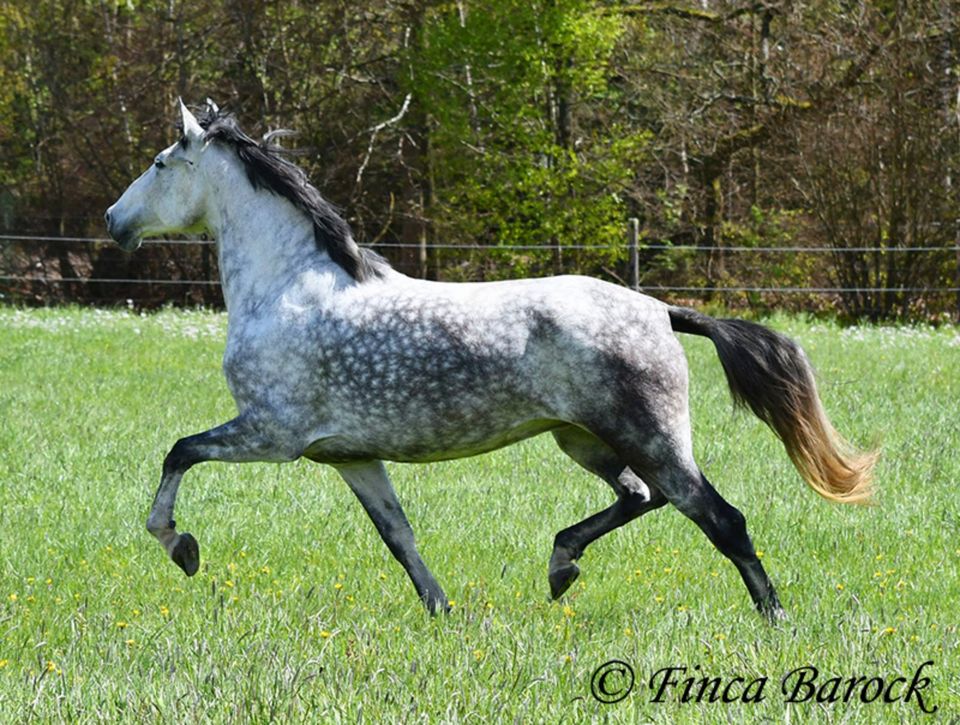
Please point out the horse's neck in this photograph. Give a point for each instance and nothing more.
(263, 244)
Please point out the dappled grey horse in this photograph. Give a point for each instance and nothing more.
(334, 356)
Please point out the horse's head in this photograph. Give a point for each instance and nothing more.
(169, 197)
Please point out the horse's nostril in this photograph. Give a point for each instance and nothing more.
(106, 217)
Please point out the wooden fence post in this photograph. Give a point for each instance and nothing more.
(633, 239)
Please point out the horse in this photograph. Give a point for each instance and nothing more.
(334, 356)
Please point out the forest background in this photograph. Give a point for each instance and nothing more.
(798, 155)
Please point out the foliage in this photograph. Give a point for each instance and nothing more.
(894, 194)
(506, 158)
(505, 123)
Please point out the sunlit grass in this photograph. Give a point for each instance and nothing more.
(299, 612)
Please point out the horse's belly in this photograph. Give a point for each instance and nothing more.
(422, 443)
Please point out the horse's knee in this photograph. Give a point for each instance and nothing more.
(179, 458)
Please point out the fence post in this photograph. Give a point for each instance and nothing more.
(633, 239)
(956, 271)
(422, 270)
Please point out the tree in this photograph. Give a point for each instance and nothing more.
(523, 144)
(877, 170)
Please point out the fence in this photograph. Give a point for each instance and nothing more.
(50, 270)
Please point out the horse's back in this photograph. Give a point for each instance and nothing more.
(584, 308)
(581, 344)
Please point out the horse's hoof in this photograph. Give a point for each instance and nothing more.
(775, 615)
(772, 611)
(562, 578)
(437, 606)
(186, 554)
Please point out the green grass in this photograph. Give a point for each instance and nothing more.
(299, 612)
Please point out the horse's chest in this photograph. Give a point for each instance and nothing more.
(286, 369)
(269, 369)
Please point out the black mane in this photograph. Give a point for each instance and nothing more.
(267, 169)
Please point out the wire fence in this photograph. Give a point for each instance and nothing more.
(41, 273)
(544, 247)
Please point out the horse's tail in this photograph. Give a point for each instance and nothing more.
(770, 374)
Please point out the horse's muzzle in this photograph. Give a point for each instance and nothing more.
(127, 240)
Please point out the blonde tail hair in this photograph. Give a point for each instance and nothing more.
(769, 373)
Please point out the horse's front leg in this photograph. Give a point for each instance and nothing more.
(369, 482)
(237, 441)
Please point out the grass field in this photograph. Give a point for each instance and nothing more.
(299, 612)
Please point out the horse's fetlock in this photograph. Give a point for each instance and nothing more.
(155, 526)
(563, 542)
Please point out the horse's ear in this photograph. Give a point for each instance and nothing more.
(191, 127)
(211, 106)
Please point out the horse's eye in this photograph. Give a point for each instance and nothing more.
(159, 164)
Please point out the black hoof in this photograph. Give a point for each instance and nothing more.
(562, 578)
(772, 611)
(437, 606)
(775, 615)
(186, 554)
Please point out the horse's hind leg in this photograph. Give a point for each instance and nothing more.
(685, 486)
(634, 498)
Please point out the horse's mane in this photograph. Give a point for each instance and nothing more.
(266, 168)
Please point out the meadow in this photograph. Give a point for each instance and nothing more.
(299, 613)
